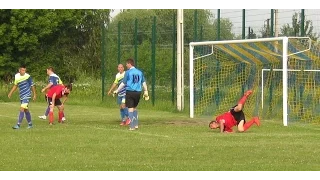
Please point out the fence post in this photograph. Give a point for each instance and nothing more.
(153, 54)
(302, 23)
(244, 24)
(119, 42)
(218, 26)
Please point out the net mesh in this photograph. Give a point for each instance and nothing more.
(222, 73)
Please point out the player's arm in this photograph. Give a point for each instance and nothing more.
(221, 125)
(64, 99)
(53, 99)
(34, 92)
(12, 90)
(47, 87)
(145, 92)
(112, 88)
(120, 87)
(145, 87)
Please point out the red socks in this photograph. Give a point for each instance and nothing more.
(61, 115)
(50, 117)
(247, 125)
(244, 97)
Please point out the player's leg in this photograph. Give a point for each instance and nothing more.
(243, 125)
(46, 113)
(61, 108)
(21, 114)
(121, 109)
(51, 117)
(242, 101)
(63, 115)
(28, 115)
(130, 106)
(135, 111)
(125, 109)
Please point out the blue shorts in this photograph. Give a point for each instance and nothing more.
(24, 103)
(121, 100)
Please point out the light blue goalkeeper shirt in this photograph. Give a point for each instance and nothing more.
(133, 79)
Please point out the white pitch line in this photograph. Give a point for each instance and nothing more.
(136, 131)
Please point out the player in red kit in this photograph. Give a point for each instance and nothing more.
(54, 96)
(234, 117)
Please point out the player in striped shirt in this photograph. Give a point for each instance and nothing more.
(53, 81)
(121, 98)
(24, 81)
(234, 117)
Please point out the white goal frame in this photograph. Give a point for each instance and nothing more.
(285, 42)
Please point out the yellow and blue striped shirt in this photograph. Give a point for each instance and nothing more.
(24, 83)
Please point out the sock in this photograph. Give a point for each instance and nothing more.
(126, 113)
(28, 117)
(247, 125)
(50, 117)
(243, 100)
(135, 114)
(20, 117)
(132, 120)
(60, 116)
(63, 114)
(47, 111)
(122, 114)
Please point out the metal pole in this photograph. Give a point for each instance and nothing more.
(218, 26)
(136, 42)
(272, 22)
(244, 23)
(119, 42)
(153, 59)
(302, 23)
(173, 75)
(180, 60)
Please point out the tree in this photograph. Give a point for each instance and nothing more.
(295, 28)
(67, 39)
(165, 23)
(251, 34)
(265, 30)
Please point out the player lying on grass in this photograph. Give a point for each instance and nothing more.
(234, 117)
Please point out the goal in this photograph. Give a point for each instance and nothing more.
(283, 73)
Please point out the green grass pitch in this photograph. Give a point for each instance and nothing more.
(92, 140)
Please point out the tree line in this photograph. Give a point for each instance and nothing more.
(70, 39)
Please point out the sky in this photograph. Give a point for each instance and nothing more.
(257, 18)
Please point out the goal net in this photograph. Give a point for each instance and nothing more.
(282, 72)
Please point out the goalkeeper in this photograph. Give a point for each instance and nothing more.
(134, 81)
(234, 117)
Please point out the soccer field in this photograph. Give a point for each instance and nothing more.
(92, 140)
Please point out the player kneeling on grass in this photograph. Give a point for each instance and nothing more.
(54, 96)
(234, 117)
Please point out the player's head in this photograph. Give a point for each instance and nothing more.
(50, 70)
(67, 89)
(213, 124)
(22, 70)
(130, 63)
(120, 68)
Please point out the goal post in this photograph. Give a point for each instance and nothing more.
(220, 71)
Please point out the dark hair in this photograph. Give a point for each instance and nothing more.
(211, 122)
(69, 86)
(130, 61)
(50, 68)
(22, 66)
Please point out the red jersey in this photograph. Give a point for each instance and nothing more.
(229, 121)
(58, 89)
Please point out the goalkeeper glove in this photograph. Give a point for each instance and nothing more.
(145, 95)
